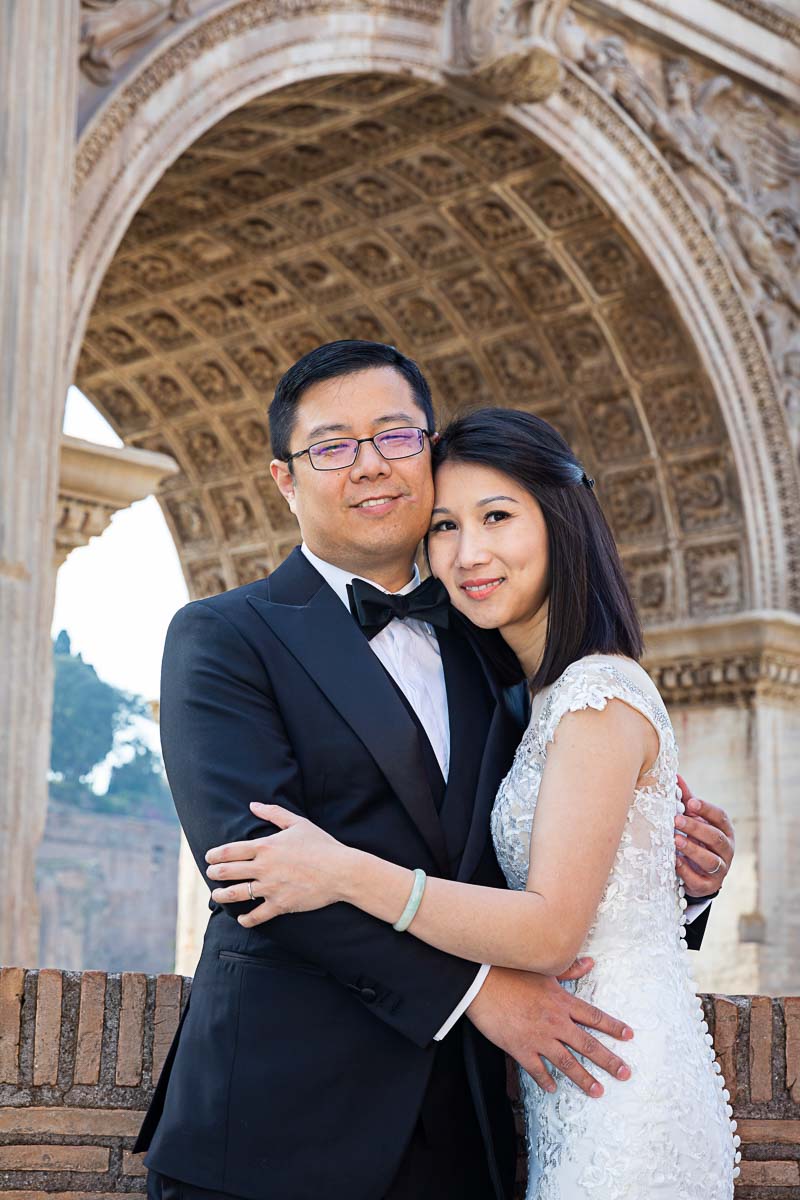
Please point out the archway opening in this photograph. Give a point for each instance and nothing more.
(381, 207)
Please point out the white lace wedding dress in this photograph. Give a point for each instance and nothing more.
(666, 1132)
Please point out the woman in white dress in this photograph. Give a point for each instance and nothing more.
(583, 824)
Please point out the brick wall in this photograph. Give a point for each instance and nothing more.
(79, 1052)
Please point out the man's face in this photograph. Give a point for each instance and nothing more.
(337, 510)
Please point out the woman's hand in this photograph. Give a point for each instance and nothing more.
(298, 869)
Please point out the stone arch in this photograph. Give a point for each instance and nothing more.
(608, 341)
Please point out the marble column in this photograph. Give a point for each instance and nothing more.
(732, 686)
(38, 96)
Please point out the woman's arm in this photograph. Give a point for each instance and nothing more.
(591, 771)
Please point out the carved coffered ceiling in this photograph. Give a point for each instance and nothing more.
(369, 206)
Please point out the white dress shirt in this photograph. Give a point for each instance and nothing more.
(410, 653)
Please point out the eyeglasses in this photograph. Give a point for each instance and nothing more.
(337, 453)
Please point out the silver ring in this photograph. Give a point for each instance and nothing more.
(252, 897)
(717, 867)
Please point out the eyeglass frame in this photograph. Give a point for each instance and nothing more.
(426, 433)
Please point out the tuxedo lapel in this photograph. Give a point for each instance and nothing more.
(470, 705)
(313, 624)
(505, 726)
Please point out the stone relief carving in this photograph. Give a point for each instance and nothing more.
(741, 162)
(235, 511)
(634, 505)
(206, 579)
(651, 577)
(504, 48)
(523, 291)
(108, 28)
(714, 578)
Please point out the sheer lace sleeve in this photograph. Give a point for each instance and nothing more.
(591, 683)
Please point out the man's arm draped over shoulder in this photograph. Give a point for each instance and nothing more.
(225, 745)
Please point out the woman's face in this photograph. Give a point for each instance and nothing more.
(488, 545)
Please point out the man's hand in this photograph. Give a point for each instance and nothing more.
(531, 1017)
(704, 841)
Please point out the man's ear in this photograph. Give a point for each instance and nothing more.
(285, 481)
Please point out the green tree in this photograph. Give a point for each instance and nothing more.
(90, 718)
(139, 786)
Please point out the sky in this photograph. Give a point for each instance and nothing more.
(116, 596)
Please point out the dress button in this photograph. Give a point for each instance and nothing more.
(369, 995)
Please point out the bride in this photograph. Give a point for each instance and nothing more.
(583, 823)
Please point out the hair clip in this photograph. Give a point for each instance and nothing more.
(585, 479)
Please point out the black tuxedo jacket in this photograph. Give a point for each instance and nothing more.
(301, 1064)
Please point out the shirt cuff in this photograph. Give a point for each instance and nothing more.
(477, 984)
(695, 907)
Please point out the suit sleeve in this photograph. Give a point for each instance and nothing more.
(225, 745)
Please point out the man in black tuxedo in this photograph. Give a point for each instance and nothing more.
(324, 1054)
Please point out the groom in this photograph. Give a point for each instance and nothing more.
(324, 1055)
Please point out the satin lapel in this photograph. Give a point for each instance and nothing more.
(470, 705)
(328, 645)
(503, 737)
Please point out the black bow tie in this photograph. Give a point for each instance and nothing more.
(374, 609)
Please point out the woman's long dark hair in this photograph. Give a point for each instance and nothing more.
(590, 606)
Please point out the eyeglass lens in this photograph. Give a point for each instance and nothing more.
(392, 443)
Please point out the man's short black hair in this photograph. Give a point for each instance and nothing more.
(345, 357)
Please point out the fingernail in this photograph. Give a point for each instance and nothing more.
(624, 1073)
(694, 804)
(627, 1033)
(595, 1090)
(680, 839)
(680, 822)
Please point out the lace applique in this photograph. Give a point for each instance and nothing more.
(640, 1140)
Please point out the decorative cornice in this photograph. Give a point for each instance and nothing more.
(741, 660)
(769, 16)
(97, 481)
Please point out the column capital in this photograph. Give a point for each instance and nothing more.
(97, 481)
